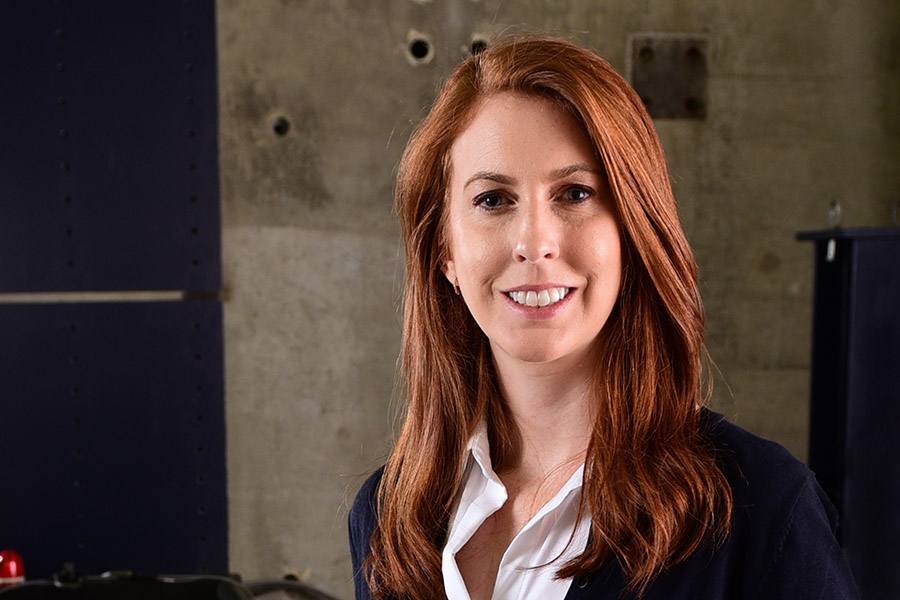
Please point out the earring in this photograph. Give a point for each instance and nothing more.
(456, 287)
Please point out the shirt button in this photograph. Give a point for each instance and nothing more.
(582, 581)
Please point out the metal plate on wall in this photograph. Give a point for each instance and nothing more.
(112, 431)
(670, 73)
(109, 161)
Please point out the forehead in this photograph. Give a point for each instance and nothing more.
(514, 131)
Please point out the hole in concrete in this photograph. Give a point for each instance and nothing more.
(694, 54)
(281, 126)
(419, 49)
(478, 45)
(694, 106)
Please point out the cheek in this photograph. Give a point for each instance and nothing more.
(605, 257)
(474, 250)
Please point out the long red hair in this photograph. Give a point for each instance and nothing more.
(652, 487)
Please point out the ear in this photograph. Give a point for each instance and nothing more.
(449, 270)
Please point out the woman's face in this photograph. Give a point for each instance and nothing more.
(533, 237)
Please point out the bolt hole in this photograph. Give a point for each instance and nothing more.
(694, 54)
(693, 105)
(419, 49)
(281, 126)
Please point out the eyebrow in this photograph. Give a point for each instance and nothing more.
(555, 175)
(489, 176)
(576, 168)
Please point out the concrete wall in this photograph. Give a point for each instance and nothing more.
(804, 109)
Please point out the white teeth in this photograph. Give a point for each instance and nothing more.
(542, 298)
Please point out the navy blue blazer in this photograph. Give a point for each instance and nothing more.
(781, 545)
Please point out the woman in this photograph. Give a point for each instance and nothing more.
(554, 444)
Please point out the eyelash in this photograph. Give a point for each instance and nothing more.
(482, 199)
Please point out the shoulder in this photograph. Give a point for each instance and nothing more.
(783, 524)
(770, 486)
(364, 512)
(361, 523)
(757, 469)
(365, 500)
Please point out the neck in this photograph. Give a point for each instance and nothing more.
(551, 407)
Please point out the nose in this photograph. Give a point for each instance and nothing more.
(537, 234)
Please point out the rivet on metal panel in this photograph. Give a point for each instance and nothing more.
(669, 72)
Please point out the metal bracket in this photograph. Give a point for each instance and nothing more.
(669, 72)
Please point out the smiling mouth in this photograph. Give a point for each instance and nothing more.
(539, 299)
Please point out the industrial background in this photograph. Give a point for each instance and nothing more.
(784, 118)
(802, 112)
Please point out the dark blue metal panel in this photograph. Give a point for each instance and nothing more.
(112, 436)
(108, 146)
(855, 395)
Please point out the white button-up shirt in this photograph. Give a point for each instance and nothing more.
(524, 570)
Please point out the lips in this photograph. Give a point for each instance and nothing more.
(538, 298)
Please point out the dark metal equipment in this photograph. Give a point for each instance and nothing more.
(854, 439)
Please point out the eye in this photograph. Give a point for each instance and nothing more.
(490, 200)
(577, 194)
